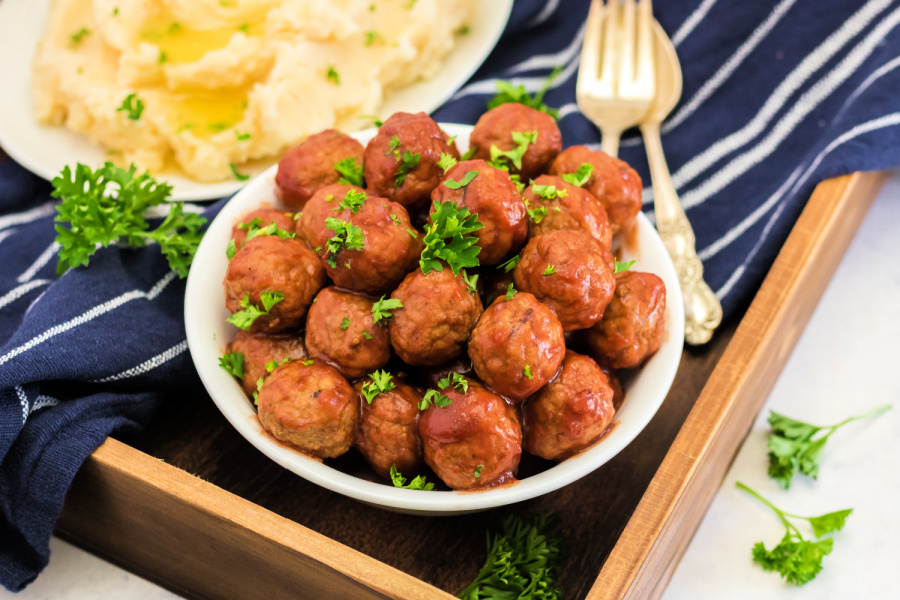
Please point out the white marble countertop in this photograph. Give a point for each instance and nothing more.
(847, 362)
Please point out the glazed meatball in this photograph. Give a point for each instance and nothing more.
(567, 207)
(495, 128)
(567, 271)
(632, 326)
(268, 263)
(495, 199)
(571, 412)
(475, 441)
(284, 220)
(311, 165)
(310, 406)
(383, 256)
(326, 202)
(259, 349)
(387, 434)
(616, 385)
(517, 346)
(613, 182)
(407, 149)
(438, 314)
(340, 329)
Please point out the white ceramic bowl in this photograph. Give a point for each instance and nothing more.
(208, 334)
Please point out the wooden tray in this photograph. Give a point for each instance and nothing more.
(195, 508)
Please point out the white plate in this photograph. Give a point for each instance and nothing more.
(45, 150)
(208, 333)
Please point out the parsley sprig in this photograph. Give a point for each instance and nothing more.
(466, 180)
(502, 159)
(346, 237)
(436, 398)
(381, 310)
(132, 106)
(351, 172)
(233, 363)
(548, 192)
(581, 176)
(508, 93)
(521, 562)
(408, 162)
(255, 229)
(353, 201)
(795, 446)
(418, 483)
(244, 319)
(100, 215)
(621, 267)
(797, 559)
(449, 222)
(447, 162)
(382, 382)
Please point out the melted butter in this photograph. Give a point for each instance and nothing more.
(181, 43)
(206, 113)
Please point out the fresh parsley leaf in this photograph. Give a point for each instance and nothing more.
(466, 180)
(367, 335)
(107, 206)
(797, 559)
(233, 363)
(510, 291)
(412, 233)
(372, 37)
(237, 174)
(333, 76)
(471, 282)
(382, 382)
(510, 264)
(527, 372)
(478, 470)
(78, 36)
(794, 447)
(549, 270)
(621, 267)
(274, 364)
(353, 201)
(418, 483)
(581, 176)
(456, 380)
(537, 214)
(410, 4)
(502, 159)
(242, 137)
(375, 120)
(436, 398)
(409, 162)
(244, 319)
(394, 147)
(346, 237)
(468, 154)
(449, 222)
(521, 562)
(381, 310)
(447, 162)
(230, 249)
(132, 106)
(307, 363)
(345, 323)
(508, 93)
(549, 192)
(254, 230)
(351, 172)
(395, 219)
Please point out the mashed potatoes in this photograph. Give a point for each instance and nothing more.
(208, 84)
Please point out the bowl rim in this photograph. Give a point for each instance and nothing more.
(231, 401)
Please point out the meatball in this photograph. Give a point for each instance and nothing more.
(632, 326)
(324, 203)
(387, 434)
(260, 349)
(567, 207)
(311, 406)
(268, 263)
(438, 314)
(475, 441)
(613, 182)
(571, 412)
(311, 165)
(496, 128)
(616, 385)
(377, 257)
(284, 220)
(402, 159)
(567, 271)
(340, 329)
(495, 199)
(517, 346)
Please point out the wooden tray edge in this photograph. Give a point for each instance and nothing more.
(657, 535)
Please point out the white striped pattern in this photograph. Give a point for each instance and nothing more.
(23, 400)
(551, 61)
(872, 78)
(691, 22)
(38, 212)
(5, 234)
(90, 315)
(42, 260)
(148, 365)
(545, 14)
(42, 402)
(19, 291)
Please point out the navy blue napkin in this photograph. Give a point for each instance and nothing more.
(777, 97)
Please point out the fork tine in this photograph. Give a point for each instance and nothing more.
(627, 57)
(611, 21)
(645, 57)
(589, 70)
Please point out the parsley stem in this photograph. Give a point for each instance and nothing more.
(872, 413)
(781, 514)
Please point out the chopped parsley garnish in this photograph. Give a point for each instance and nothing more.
(508, 93)
(581, 176)
(798, 560)
(375, 120)
(548, 192)
(418, 483)
(394, 147)
(372, 37)
(353, 201)
(510, 264)
(478, 470)
(410, 4)
(218, 126)
(409, 162)
(345, 323)
(527, 372)
(466, 180)
(537, 214)
(412, 233)
(503, 158)
(468, 154)
(242, 137)
(274, 364)
(382, 382)
(351, 172)
(447, 161)
(244, 319)
(436, 398)
(395, 219)
(163, 57)
(621, 267)
(307, 363)
(259, 384)
(510, 291)
(464, 30)
(333, 76)
(346, 237)
(449, 222)
(230, 249)
(254, 230)
(471, 281)
(381, 310)
(78, 36)
(95, 214)
(132, 106)
(367, 335)
(550, 270)
(233, 363)
(237, 174)
(456, 380)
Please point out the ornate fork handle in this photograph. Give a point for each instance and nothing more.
(702, 310)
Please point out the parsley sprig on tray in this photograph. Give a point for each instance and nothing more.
(108, 206)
